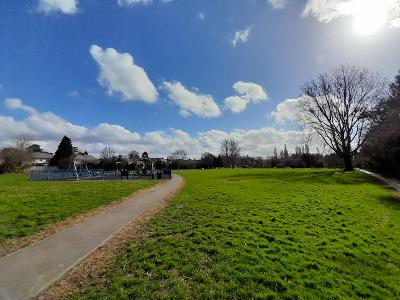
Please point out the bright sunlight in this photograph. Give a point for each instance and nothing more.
(369, 16)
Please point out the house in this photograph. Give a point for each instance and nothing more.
(41, 158)
(83, 158)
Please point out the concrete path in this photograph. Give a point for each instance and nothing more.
(28, 271)
(391, 182)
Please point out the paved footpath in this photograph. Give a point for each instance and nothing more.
(28, 271)
(395, 184)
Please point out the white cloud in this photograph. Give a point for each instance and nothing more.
(248, 92)
(134, 2)
(191, 102)
(277, 4)
(369, 15)
(110, 134)
(287, 110)
(15, 103)
(241, 36)
(395, 23)
(255, 142)
(47, 129)
(201, 16)
(120, 74)
(235, 103)
(38, 125)
(73, 94)
(327, 10)
(139, 2)
(68, 7)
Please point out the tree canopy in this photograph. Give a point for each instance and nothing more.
(339, 107)
(64, 154)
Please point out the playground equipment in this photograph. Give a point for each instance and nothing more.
(96, 174)
(67, 174)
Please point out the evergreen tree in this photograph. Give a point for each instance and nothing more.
(285, 152)
(306, 149)
(219, 162)
(64, 154)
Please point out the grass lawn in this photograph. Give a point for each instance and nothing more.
(242, 234)
(27, 207)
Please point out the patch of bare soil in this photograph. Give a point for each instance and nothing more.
(93, 265)
(22, 242)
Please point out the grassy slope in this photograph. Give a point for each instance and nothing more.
(265, 234)
(26, 207)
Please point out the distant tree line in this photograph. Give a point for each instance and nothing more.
(351, 110)
(230, 157)
(18, 157)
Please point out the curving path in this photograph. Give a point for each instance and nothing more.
(28, 271)
(393, 183)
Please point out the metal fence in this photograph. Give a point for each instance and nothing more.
(55, 175)
(85, 174)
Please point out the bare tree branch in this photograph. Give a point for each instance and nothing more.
(339, 106)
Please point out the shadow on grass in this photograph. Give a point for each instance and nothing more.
(392, 201)
(307, 177)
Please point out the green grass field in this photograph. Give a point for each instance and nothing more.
(27, 207)
(245, 234)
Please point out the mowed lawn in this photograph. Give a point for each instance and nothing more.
(245, 234)
(27, 207)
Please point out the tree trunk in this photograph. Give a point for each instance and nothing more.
(348, 163)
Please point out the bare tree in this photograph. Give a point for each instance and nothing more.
(22, 143)
(230, 151)
(22, 153)
(11, 161)
(339, 106)
(179, 155)
(107, 153)
(134, 155)
(18, 156)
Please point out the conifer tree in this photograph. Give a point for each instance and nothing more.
(64, 154)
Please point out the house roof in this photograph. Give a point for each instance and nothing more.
(157, 158)
(41, 155)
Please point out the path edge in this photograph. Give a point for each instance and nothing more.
(107, 250)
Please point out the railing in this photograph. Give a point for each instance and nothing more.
(57, 175)
(86, 174)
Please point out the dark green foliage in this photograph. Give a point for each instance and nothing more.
(34, 148)
(208, 161)
(27, 207)
(264, 234)
(381, 151)
(64, 154)
(219, 162)
(159, 164)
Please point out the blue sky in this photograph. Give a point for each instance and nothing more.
(160, 72)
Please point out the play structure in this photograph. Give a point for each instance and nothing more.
(67, 174)
(76, 173)
(78, 170)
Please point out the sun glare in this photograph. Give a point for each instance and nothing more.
(369, 16)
